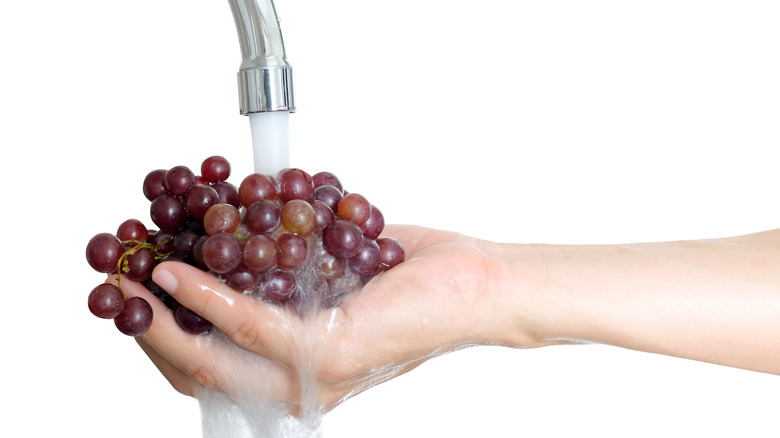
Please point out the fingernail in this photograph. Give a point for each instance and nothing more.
(165, 280)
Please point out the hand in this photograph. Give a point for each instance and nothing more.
(443, 297)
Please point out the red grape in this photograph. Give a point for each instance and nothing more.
(136, 317)
(242, 278)
(278, 286)
(168, 212)
(132, 229)
(228, 193)
(138, 266)
(190, 321)
(327, 178)
(179, 180)
(184, 242)
(222, 253)
(197, 252)
(295, 184)
(154, 184)
(366, 261)
(256, 187)
(163, 241)
(373, 227)
(262, 216)
(299, 217)
(199, 199)
(103, 252)
(260, 253)
(292, 251)
(330, 195)
(222, 218)
(354, 207)
(291, 238)
(215, 169)
(106, 301)
(323, 215)
(391, 252)
(342, 238)
(330, 267)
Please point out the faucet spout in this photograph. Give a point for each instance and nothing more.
(265, 77)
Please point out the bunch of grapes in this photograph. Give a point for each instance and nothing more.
(292, 239)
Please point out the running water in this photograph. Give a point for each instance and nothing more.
(270, 141)
(250, 410)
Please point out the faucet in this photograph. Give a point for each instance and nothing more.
(265, 77)
(265, 83)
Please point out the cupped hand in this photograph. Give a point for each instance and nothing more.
(443, 297)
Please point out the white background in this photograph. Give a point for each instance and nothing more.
(555, 122)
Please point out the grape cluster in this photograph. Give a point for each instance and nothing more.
(292, 239)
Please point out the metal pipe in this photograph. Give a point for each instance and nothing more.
(265, 81)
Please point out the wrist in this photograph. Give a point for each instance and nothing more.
(528, 284)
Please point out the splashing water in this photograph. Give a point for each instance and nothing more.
(246, 407)
(250, 410)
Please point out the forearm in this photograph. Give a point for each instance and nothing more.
(716, 301)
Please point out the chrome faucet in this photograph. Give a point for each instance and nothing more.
(265, 81)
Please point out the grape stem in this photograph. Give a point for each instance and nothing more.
(122, 265)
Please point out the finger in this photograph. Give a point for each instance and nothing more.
(208, 361)
(179, 380)
(181, 350)
(257, 326)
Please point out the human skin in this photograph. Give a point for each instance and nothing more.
(710, 300)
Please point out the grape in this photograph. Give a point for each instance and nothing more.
(256, 187)
(222, 218)
(354, 207)
(391, 252)
(154, 184)
(292, 251)
(185, 241)
(160, 293)
(330, 267)
(278, 286)
(163, 241)
(215, 169)
(299, 217)
(192, 224)
(197, 252)
(103, 252)
(262, 216)
(199, 199)
(373, 227)
(106, 301)
(366, 261)
(179, 180)
(342, 238)
(323, 215)
(259, 253)
(293, 239)
(222, 252)
(167, 212)
(136, 317)
(242, 278)
(327, 178)
(138, 265)
(295, 184)
(330, 195)
(190, 321)
(228, 193)
(132, 229)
